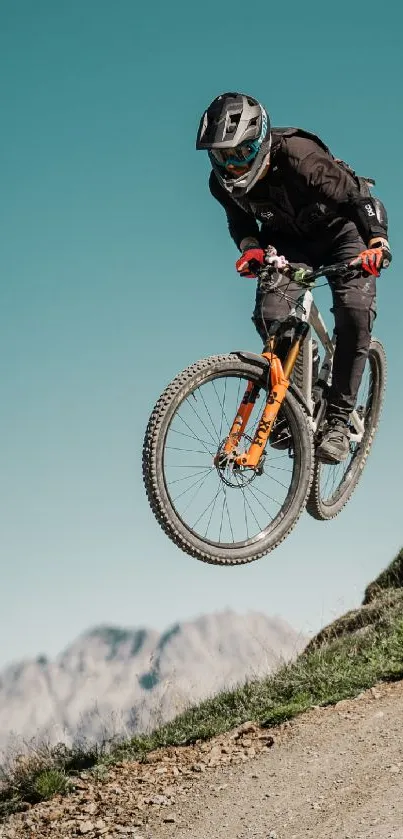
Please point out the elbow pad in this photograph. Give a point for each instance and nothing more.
(371, 216)
(381, 212)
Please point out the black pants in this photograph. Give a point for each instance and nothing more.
(354, 305)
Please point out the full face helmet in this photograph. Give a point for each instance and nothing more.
(235, 130)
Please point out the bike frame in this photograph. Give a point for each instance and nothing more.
(306, 317)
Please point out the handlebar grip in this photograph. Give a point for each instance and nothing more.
(355, 263)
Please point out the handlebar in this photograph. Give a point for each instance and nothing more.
(304, 276)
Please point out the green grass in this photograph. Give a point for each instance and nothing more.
(42, 772)
(51, 782)
(358, 650)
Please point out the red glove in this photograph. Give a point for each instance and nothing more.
(376, 257)
(250, 261)
(371, 261)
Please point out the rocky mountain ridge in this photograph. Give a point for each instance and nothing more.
(116, 681)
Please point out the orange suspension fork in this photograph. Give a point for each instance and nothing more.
(279, 385)
(241, 420)
(279, 380)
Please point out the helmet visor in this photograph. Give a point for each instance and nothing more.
(241, 155)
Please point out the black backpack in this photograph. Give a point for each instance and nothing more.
(364, 184)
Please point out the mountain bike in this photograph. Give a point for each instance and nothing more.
(221, 485)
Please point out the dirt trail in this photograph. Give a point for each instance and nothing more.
(338, 773)
(333, 773)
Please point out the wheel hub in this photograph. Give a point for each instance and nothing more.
(231, 472)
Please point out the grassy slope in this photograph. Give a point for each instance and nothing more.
(361, 648)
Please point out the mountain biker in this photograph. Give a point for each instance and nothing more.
(283, 187)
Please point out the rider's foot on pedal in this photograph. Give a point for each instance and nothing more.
(335, 444)
(280, 437)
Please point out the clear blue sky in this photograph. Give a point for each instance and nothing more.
(117, 271)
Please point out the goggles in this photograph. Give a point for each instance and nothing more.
(241, 155)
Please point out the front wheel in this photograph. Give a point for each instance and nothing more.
(211, 508)
(333, 486)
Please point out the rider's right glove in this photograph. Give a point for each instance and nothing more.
(250, 261)
(376, 257)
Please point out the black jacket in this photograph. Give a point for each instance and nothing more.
(303, 190)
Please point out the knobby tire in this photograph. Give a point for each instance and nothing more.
(169, 403)
(321, 508)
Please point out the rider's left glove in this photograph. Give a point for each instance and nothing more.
(376, 257)
(250, 261)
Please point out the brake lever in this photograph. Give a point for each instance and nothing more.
(268, 278)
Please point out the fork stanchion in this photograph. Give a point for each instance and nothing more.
(301, 332)
(279, 381)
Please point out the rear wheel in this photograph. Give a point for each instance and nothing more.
(333, 485)
(211, 508)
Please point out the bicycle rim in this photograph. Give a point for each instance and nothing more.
(226, 507)
(217, 512)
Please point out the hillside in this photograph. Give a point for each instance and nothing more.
(248, 763)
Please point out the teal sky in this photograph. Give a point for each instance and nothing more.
(117, 271)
